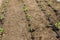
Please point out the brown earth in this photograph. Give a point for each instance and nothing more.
(16, 25)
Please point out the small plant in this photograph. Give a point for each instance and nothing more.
(43, 6)
(6, 1)
(48, 12)
(1, 30)
(50, 3)
(57, 25)
(25, 8)
(28, 16)
(31, 29)
(2, 17)
(3, 10)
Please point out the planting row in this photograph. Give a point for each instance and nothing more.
(37, 20)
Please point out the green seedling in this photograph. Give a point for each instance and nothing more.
(25, 8)
(6, 1)
(1, 30)
(50, 3)
(28, 16)
(43, 6)
(57, 25)
(30, 28)
(3, 10)
(48, 12)
(2, 17)
(5, 5)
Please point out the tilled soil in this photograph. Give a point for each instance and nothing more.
(17, 26)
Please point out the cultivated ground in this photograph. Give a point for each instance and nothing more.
(28, 19)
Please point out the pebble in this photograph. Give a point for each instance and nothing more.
(58, 0)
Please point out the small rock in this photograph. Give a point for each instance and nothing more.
(58, 0)
(3, 34)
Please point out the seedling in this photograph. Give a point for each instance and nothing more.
(25, 8)
(54, 28)
(6, 1)
(50, 3)
(28, 16)
(57, 25)
(43, 6)
(2, 17)
(31, 29)
(3, 10)
(48, 13)
(1, 30)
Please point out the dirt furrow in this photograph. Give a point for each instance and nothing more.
(15, 24)
(47, 10)
(55, 6)
(38, 22)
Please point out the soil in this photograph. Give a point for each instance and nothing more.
(16, 25)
